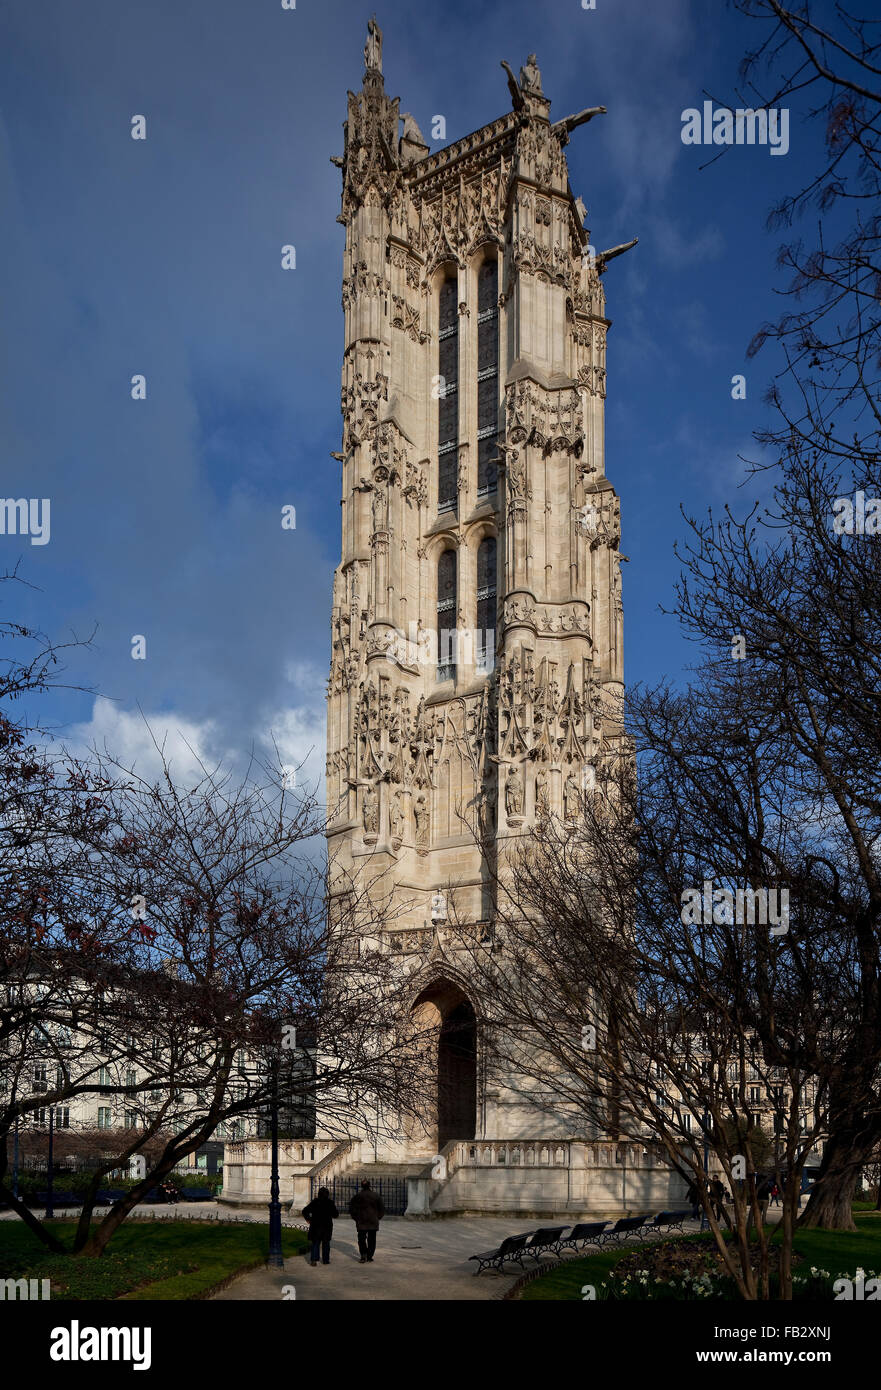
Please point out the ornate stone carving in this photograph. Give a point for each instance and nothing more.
(462, 217)
(407, 317)
(396, 816)
(513, 793)
(542, 793)
(547, 419)
(370, 810)
(571, 797)
(421, 817)
(371, 170)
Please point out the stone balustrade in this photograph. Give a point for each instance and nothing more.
(247, 1164)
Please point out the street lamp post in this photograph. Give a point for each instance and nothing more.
(276, 1257)
(15, 1161)
(704, 1222)
(50, 1210)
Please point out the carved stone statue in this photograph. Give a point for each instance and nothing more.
(571, 798)
(530, 77)
(516, 474)
(373, 46)
(420, 815)
(396, 817)
(542, 793)
(371, 810)
(514, 792)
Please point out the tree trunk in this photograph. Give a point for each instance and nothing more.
(830, 1205)
(32, 1222)
(98, 1240)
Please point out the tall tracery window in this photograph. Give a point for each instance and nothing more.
(448, 399)
(486, 604)
(487, 375)
(446, 616)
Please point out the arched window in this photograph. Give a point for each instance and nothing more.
(448, 398)
(486, 604)
(487, 376)
(446, 616)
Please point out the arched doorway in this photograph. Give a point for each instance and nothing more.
(445, 1010)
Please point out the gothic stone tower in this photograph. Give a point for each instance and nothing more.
(477, 618)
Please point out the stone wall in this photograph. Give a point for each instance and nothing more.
(555, 1179)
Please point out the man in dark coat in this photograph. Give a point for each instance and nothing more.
(366, 1210)
(320, 1214)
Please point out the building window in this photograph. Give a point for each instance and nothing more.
(446, 616)
(486, 604)
(104, 1077)
(62, 1117)
(131, 1119)
(448, 397)
(755, 1119)
(40, 1076)
(487, 376)
(105, 1117)
(755, 1095)
(131, 1077)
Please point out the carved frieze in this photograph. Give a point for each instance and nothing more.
(547, 419)
(407, 317)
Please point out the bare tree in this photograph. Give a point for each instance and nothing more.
(633, 1024)
(174, 928)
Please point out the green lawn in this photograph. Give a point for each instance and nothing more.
(838, 1251)
(145, 1259)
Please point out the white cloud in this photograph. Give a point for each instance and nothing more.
(132, 737)
(297, 730)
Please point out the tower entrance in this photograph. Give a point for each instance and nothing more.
(450, 1031)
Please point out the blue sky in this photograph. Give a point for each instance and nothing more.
(163, 257)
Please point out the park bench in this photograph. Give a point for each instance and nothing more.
(625, 1226)
(511, 1248)
(546, 1238)
(59, 1199)
(197, 1194)
(671, 1220)
(586, 1233)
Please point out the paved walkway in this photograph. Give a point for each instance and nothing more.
(424, 1260)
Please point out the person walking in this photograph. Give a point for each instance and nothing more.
(366, 1210)
(320, 1213)
(694, 1200)
(717, 1197)
(775, 1195)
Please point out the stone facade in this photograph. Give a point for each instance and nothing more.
(476, 666)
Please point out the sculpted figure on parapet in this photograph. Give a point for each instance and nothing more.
(373, 46)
